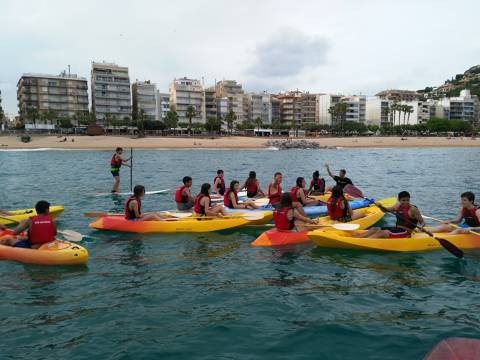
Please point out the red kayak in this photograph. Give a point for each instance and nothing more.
(277, 237)
(455, 349)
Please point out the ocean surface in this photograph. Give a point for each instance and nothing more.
(213, 296)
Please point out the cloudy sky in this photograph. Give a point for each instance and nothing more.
(347, 46)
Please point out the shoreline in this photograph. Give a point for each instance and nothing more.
(52, 142)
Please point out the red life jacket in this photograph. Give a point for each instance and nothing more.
(404, 220)
(220, 186)
(318, 184)
(470, 217)
(115, 163)
(281, 220)
(335, 211)
(199, 209)
(129, 214)
(274, 198)
(252, 187)
(179, 198)
(226, 198)
(293, 192)
(42, 230)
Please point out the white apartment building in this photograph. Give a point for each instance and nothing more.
(377, 112)
(463, 107)
(325, 101)
(144, 98)
(110, 91)
(222, 108)
(185, 92)
(162, 101)
(356, 108)
(258, 106)
(233, 91)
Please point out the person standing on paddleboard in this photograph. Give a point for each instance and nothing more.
(341, 179)
(183, 196)
(219, 183)
(115, 163)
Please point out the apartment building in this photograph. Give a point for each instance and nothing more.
(110, 91)
(325, 101)
(378, 112)
(258, 105)
(356, 108)
(463, 107)
(290, 107)
(233, 91)
(210, 103)
(222, 108)
(185, 92)
(144, 99)
(66, 94)
(399, 95)
(162, 101)
(275, 105)
(309, 108)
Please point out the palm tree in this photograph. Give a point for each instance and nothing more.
(409, 111)
(258, 122)
(33, 114)
(332, 110)
(171, 119)
(400, 109)
(190, 114)
(230, 119)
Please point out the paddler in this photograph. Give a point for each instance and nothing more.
(183, 196)
(202, 203)
(133, 207)
(287, 217)
(252, 185)
(274, 189)
(41, 229)
(468, 217)
(317, 185)
(408, 218)
(230, 198)
(219, 183)
(339, 209)
(341, 179)
(298, 194)
(115, 165)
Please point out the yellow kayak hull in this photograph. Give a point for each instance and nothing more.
(373, 215)
(19, 215)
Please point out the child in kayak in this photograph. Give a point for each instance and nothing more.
(230, 198)
(287, 217)
(468, 217)
(339, 209)
(408, 218)
(202, 203)
(41, 229)
(341, 180)
(133, 207)
(298, 194)
(252, 185)
(219, 183)
(183, 197)
(317, 185)
(274, 189)
(115, 164)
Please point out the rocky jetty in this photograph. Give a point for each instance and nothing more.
(296, 144)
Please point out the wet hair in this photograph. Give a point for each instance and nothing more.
(469, 196)
(118, 149)
(138, 190)
(42, 207)
(186, 179)
(343, 171)
(204, 189)
(252, 177)
(285, 200)
(337, 193)
(316, 174)
(220, 171)
(403, 194)
(299, 181)
(232, 184)
(277, 173)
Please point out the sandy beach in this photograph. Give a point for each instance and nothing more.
(234, 142)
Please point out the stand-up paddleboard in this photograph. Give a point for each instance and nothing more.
(131, 193)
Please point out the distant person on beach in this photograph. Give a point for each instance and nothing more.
(183, 197)
(230, 198)
(274, 190)
(115, 164)
(341, 179)
(252, 185)
(287, 217)
(202, 203)
(219, 183)
(299, 196)
(133, 207)
(317, 185)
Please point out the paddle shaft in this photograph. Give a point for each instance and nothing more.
(451, 224)
(131, 169)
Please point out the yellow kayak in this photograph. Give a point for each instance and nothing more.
(373, 215)
(418, 242)
(188, 224)
(19, 215)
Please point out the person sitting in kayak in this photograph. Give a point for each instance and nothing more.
(115, 164)
(133, 207)
(341, 180)
(317, 185)
(202, 203)
(298, 194)
(252, 185)
(339, 209)
(287, 217)
(219, 183)
(468, 217)
(230, 199)
(40, 229)
(274, 190)
(183, 197)
(408, 218)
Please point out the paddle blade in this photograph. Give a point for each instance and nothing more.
(95, 214)
(353, 191)
(254, 215)
(178, 215)
(346, 227)
(71, 235)
(450, 247)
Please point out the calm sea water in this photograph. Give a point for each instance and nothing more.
(212, 295)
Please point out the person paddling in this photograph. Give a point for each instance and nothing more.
(230, 198)
(202, 203)
(219, 183)
(115, 165)
(339, 209)
(287, 217)
(274, 190)
(408, 217)
(317, 185)
(298, 194)
(183, 197)
(40, 229)
(468, 217)
(133, 207)
(252, 185)
(341, 179)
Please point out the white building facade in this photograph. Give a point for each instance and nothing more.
(185, 92)
(144, 99)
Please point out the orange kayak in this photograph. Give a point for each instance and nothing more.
(277, 237)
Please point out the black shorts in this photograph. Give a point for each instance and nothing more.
(115, 173)
(251, 194)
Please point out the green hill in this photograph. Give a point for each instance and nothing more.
(470, 79)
